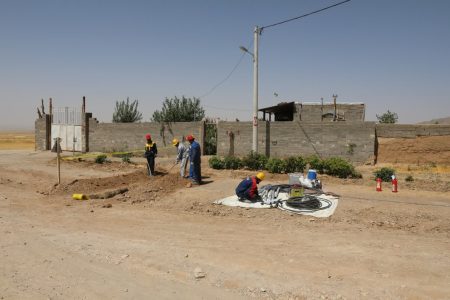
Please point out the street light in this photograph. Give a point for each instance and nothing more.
(256, 33)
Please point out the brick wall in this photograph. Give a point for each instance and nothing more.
(411, 131)
(108, 137)
(280, 139)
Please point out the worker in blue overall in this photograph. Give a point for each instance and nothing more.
(195, 171)
(248, 188)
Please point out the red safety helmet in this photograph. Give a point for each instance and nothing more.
(148, 136)
(190, 138)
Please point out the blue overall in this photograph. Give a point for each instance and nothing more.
(195, 171)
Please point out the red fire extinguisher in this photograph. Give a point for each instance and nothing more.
(378, 184)
(394, 184)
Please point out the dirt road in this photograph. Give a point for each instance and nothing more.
(157, 238)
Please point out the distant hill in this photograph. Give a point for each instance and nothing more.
(437, 121)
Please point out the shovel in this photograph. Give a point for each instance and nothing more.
(172, 167)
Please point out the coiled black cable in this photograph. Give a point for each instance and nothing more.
(308, 202)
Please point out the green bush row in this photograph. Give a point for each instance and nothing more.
(334, 166)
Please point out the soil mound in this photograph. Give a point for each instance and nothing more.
(140, 186)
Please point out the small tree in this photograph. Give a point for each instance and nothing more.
(179, 110)
(126, 112)
(388, 117)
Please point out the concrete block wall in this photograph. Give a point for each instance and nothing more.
(109, 137)
(281, 139)
(236, 138)
(42, 133)
(312, 113)
(411, 131)
(355, 142)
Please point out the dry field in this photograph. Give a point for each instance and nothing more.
(162, 240)
(16, 140)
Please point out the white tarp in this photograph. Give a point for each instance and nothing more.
(234, 201)
(326, 200)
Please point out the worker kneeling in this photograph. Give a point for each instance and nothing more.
(248, 189)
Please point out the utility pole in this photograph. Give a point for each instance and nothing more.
(58, 155)
(255, 90)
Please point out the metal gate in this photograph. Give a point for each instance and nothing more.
(210, 140)
(66, 124)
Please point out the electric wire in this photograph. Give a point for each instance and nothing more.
(225, 79)
(308, 203)
(305, 15)
(241, 58)
(243, 54)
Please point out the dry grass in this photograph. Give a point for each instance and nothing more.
(17, 140)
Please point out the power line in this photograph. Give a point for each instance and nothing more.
(228, 76)
(243, 54)
(305, 15)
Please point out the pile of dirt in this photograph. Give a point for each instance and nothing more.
(140, 186)
(419, 150)
(95, 185)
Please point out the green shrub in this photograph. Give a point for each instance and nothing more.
(409, 178)
(126, 159)
(315, 162)
(384, 173)
(276, 165)
(231, 162)
(100, 158)
(336, 166)
(216, 163)
(295, 164)
(254, 161)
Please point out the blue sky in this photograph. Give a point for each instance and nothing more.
(388, 54)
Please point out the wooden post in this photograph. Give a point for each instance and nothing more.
(335, 108)
(321, 101)
(42, 106)
(50, 107)
(83, 106)
(58, 165)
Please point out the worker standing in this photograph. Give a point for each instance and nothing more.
(195, 171)
(150, 153)
(248, 188)
(182, 155)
